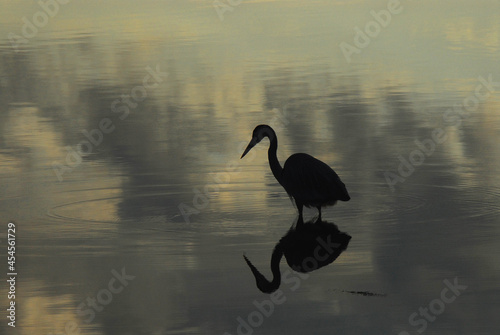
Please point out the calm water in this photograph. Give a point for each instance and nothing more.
(121, 128)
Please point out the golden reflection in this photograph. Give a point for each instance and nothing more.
(268, 62)
(43, 314)
(468, 32)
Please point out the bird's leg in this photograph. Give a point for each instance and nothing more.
(319, 217)
(299, 207)
(300, 221)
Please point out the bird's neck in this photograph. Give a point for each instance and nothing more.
(275, 265)
(263, 284)
(273, 158)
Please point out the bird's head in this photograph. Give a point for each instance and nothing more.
(263, 284)
(258, 134)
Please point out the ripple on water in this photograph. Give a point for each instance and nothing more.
(89, 210)
(474, 202)
(113, 204)
(429, 202)
(439, 202)
(102, 205)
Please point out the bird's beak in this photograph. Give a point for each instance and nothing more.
(250, 145)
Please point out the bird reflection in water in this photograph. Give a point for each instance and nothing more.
(307, 180)
(307, 247)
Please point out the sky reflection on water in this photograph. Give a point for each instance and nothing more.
(275, 62)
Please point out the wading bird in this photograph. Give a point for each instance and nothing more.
(307, 180)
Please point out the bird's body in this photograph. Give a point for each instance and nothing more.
(309, 181)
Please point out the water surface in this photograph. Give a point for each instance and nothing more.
(121, 128)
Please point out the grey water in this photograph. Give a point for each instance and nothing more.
(122, 124)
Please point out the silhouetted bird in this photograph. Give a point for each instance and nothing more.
(308, 180)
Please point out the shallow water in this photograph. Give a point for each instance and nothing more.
(121, 130)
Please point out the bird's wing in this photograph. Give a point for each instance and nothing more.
(308, 179)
